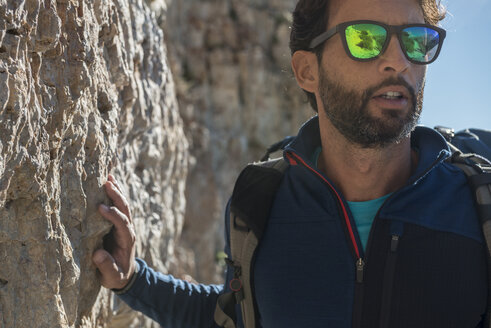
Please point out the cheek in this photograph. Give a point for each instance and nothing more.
(420, 76)
(341, 69)
(350, 75)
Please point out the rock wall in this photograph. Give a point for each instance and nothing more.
(237, 95)
(85, 89)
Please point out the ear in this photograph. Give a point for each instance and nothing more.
(306, 70)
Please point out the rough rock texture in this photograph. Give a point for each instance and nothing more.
(85, 90)
(237, 96)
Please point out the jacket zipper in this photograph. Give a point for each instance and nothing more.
(359, 289)
(360, 267)
(390, 268)
(359, 292)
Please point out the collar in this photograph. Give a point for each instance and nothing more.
(431, 146)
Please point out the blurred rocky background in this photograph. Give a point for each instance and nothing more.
(86, 89)
(237, 96)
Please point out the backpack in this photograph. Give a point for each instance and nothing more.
(254, 193)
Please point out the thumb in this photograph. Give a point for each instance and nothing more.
(111, 275)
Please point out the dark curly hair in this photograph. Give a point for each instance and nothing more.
(310, 20)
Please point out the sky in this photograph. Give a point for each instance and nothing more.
(458, 84)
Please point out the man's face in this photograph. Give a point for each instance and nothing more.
(351, 92)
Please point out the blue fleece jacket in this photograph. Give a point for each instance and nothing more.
(311, 270)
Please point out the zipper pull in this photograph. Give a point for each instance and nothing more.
(394, 243)
(360, 265)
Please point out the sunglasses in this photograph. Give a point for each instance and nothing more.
(366, 40)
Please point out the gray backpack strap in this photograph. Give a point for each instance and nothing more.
(252, 198)
(478, 171)
(225, 311)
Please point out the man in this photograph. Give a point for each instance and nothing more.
(370, 227)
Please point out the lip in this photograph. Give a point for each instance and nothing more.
(393, 104)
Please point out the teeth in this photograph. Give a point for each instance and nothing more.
(392, 95)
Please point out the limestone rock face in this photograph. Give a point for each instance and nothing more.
(237, 96)
(85, 89)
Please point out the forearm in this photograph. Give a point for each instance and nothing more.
(172, 302)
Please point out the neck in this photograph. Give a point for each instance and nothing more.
(364, 174)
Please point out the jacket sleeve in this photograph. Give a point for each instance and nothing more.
(172, 302)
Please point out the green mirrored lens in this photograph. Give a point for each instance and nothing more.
(420, 43)
(365, 41)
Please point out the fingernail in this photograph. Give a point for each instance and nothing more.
(105, 208)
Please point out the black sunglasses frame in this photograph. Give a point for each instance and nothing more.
(391, 29)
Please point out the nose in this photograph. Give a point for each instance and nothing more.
(393, 59)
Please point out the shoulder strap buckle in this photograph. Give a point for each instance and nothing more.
(446, 132)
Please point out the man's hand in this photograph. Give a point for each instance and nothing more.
(116, 262)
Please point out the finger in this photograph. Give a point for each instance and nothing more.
(122, 225)
(118, 198)
(111, 275)
(116, 183)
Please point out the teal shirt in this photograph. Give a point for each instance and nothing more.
(363, 212)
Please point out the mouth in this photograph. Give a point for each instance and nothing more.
(392, 97)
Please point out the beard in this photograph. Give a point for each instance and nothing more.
(349, 114)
